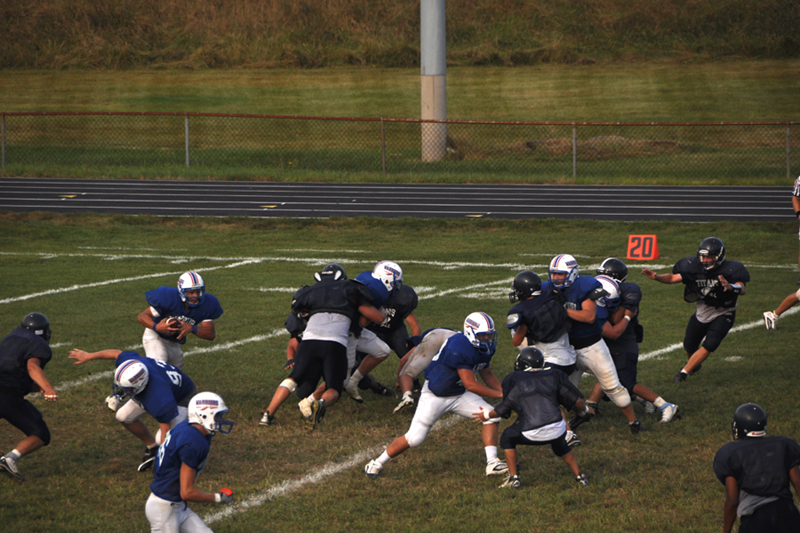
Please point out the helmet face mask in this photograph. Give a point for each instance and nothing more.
(390, 274)
(38, 324)
(332, 271)
(207, 410)
(529, 359)
(479, 329)
(749, 420)
(525, 285)
(130, 379)
(611, 300)
(563, 271)
(192, 288)
(711, 253)
(614, 269)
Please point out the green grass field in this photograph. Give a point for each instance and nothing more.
(88, 273)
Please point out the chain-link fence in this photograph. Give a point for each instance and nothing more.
(227, 142)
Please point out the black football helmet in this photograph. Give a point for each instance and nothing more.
(529, 359)
(714, 248)
(526, 284)
(614, 269)
(749, 420)
(334, 271)
(38, 324)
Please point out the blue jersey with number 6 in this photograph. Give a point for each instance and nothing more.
(165, 388)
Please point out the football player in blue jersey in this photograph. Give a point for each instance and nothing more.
(365, 348)
(451, 387)
(23, 355)
(154, 387)
(586, 335)
(534, 391)
(758, 473)
(617, 313)
(173, 313)
(180, 460)
(715, 284)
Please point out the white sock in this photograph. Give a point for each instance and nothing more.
(491, 453)
(383, 459)
(14, 455)
(356, 377)
(659, 402)
(407, 395)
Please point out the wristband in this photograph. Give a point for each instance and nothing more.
(626, 317)
(194, 330)
(217, 497)
(486, 413)
(155, 323)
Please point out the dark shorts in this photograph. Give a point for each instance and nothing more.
(319, 359)
(24, 416)
(512, 437)
(626, 364)
(568, 369)
(714, 332)
(774, 517)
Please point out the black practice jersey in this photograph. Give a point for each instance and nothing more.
(343, 297)
(630, 295)
(535, 397)
(15, 350)
(544, 316)
(702, 285)
(400, 304)
(760, 465)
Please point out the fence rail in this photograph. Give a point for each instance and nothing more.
(705, 151)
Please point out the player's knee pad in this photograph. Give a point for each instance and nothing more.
(492, 421)
(619, 396)
(416, 435)
(288, 384)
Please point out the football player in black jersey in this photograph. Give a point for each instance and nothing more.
(758, 472)
(714, 284)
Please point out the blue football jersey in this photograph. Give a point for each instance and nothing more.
(457, 352)
(167, 301)
(376, 287)
(167, 385)
(184, 444)
(583, 288)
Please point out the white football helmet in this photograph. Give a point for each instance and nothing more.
(479, 329)
(191, 281)
(389, 273)
(611, 300)
(130, 379)
(563, 264)
(207, 409)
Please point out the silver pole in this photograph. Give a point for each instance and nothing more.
(187, 139)
(574, 151)
(433, 78)
(788, 153)
(4, 140)
(383, 146)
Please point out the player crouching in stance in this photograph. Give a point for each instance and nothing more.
(534, 392)
(758, 472)
(451, 387)
(180, 460)
(153, 387)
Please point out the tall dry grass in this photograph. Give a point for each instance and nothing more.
(309, 33)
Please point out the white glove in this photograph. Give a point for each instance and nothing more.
(112, 402)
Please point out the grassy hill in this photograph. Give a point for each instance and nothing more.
(111, 34)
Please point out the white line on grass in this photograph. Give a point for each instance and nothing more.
(321, 474)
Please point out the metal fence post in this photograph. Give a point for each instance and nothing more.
(383, 146)
(187, 138)
(4, 140)
(574, 151)
(788, 153)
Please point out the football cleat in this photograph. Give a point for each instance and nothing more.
(637, 428)
(405, 404)
(383, 390)
(305, 408)
(495, 467)
(680, 377)
(352, 390)
(572, 439)
(511, 481)
(317, 413)
(593, 408)
(580, 419)
(668, 411)
(649, 407)
(148, 458)
(770, 320)
(582, 479)
(372, 469)
(266, 419)
(9, 466)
